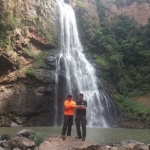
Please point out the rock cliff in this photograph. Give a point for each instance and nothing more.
(27, 61)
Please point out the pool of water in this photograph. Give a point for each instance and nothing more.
(99, 135)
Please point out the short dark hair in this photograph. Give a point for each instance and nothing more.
(69, 95)
(81, 94)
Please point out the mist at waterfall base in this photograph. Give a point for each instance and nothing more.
(74, 75)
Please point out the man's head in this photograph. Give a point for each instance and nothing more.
(81, 96)
(69, 97)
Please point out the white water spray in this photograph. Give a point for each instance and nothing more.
(78, 73)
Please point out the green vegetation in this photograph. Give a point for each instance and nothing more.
(40, 9)
(7, 23)
(28, 53)
(46, 29)
(125, 49)
(86, 25)
(40, 58)
(30, 70)
(101, 61)
(122, 49)
(37, 61)
(38, 137)
(122, 3)
(133, 110)
(81, 6)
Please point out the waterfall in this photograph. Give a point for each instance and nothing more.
(76, 75)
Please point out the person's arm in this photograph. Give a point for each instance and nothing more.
(83, 106)
(78, 106)
(69, 105)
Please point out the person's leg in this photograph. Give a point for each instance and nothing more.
(64, 129)
(70, 123)
(69, 130)
(77, 121)
(83, 123)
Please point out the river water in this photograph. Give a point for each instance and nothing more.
(101, 136)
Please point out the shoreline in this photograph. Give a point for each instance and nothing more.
(31, 140)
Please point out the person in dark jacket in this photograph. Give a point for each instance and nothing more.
(81, 117)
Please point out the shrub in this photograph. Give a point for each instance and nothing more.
(30, 70)
(38, 137)
(131, 109)
(81, 5)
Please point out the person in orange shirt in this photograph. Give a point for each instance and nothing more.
(68, 116)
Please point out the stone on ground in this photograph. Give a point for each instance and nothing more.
(25, 133)
(21, 142)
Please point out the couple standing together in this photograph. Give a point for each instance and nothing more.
(80, 119)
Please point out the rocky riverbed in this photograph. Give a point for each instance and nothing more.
(29, 140)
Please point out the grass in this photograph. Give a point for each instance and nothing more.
(133, 110)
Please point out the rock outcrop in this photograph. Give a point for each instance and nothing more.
(128, 145)
(70, 143)
(21, 142)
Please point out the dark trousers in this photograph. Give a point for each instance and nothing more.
(67, 126)
(81, 120)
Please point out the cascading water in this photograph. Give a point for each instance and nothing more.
(75, 74)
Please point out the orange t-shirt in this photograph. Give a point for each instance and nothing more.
(69, 107)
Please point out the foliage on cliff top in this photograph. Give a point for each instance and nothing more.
(121, 47)
(122, 3)
(7, 22)
(126, 50)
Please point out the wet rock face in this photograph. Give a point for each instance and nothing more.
(27, 75)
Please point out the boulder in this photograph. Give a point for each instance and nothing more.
(1, 148)
(128, 145)
(21, 142)
(16, 149)
(114, 148)
(2, 143)
(5, 137)
(70, 143)
(13, 124)
(134, 145)
(25, 133)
